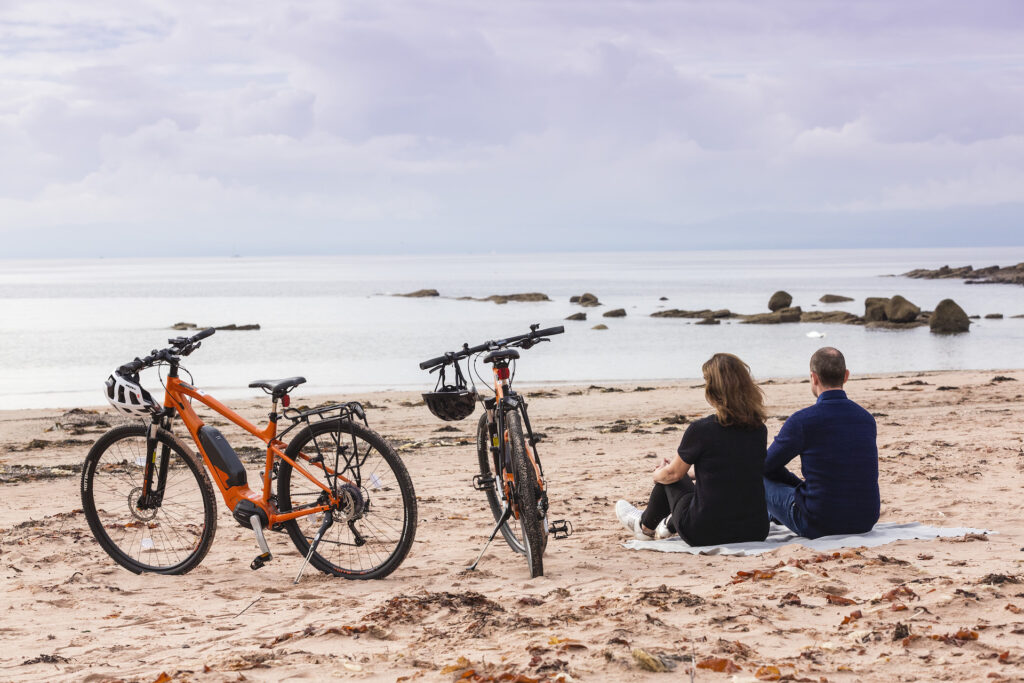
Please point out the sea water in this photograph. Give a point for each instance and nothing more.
(65, 325)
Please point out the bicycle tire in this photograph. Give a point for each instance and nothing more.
(496, 492)
(171, 539)
(385, 519)
(525, 491)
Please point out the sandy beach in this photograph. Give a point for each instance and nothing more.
(951, 455)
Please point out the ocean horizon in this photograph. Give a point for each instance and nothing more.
(66, 324)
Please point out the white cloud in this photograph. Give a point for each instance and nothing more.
(389, 125)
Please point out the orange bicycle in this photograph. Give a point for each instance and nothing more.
(343, 494)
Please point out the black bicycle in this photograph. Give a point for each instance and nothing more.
(511, 473)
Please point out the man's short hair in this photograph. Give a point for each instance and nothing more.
(830, 366)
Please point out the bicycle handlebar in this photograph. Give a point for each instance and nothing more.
(179, 346)
(526, 340)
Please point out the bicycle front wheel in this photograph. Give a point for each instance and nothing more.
(170, 534)
(526, 492)
(374, 527)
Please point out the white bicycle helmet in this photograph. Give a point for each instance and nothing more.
(128, 396)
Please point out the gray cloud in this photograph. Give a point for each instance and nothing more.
(379, 126)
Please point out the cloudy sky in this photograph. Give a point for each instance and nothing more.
(183, 127)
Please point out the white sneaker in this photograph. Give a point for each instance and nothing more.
(663, 531)
(630, 518)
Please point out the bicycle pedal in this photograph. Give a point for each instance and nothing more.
(560, 528)
(482, 483)
(260, 561)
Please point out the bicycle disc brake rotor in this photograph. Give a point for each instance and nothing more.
(133, 505)
(351, 504)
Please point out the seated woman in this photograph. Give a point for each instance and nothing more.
(726, 503)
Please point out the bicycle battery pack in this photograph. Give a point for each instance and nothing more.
(222, 455)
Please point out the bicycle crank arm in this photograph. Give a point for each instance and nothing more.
(328, 521)
(504, 518)
(261, 541)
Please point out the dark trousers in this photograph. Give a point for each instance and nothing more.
(668, 500)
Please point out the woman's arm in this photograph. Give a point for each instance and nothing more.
(671, 471)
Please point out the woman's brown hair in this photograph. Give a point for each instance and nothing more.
(732, 393)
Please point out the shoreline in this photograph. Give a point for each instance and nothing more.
(949, 458)
(526, 385)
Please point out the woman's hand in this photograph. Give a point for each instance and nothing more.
(671, 471)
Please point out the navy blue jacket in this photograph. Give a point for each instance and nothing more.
(836, 441)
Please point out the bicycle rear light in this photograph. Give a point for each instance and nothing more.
(502, 373)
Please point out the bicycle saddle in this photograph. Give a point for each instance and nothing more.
(501, 354)
(277, 387)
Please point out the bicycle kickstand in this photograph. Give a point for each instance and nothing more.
(504, 518)
(328, 521)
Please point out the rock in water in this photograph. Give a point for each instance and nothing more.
(419, 293)
(874, 308)
(617, 313)
(599, 327)
(949, 318)
(708, 321)
(577, 316)
(899, 310)
(834, 299)
(779, 301)
(585, 299)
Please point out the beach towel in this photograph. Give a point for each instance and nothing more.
(779, 536)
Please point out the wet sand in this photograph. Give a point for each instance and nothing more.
(951, 454)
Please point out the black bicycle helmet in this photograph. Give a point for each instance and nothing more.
(451, 402)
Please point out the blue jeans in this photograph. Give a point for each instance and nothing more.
(781, 500)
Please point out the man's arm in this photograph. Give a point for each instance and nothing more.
(787, 445)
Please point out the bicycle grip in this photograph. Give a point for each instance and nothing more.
(550, 331)
(432, 362)
(208, 332)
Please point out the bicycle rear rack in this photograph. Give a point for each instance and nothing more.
(349, 411)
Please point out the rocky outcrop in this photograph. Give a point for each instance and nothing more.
(779, 300)
(708, 321)
(577, 316)
(527, 296)
(227, 328)
(1013, 275)
(586, 299)
(702, 313)
(994, 316)
(890, 325)
(838, 317)
(615, 313)
(419, 293)
(899, 310)
(834, 299)
(949, 318)
(783, 315)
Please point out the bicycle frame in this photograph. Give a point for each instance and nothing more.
(176, 401)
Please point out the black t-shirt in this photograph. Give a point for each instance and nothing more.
(728, 506)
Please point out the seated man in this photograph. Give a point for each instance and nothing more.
(835, 439)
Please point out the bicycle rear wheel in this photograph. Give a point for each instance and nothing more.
(510, 530)
(375, 527)
(526, 491)
(171, 536)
